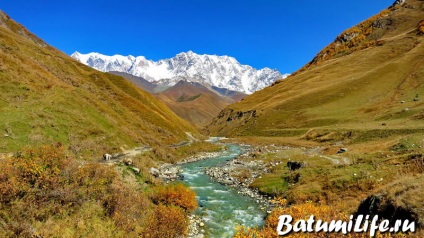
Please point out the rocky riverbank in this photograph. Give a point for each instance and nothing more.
(200, 156)
(170, 172)
(240, 174)
(196, 227)
(166, 172)
(237, 173)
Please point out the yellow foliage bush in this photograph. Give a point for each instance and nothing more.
(176, 195)
(166, 222)
(421, 27)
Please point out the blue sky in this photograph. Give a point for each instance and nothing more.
(269, 33)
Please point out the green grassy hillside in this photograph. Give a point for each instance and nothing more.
(363, 90)
(47, 97)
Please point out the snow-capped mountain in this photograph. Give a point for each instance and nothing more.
(219, 71)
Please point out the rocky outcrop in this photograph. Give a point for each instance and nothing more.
(166, 172)
(385, 209)
(3, 18)
(398, 2)
(231, 119)
(240, 115)
(402, 200)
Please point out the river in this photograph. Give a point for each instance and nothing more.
(221, 207)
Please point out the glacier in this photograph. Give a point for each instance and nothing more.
(219, 71)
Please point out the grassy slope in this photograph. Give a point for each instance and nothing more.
(356, 93)
(48, 97)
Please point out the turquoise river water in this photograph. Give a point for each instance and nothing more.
(221, 207)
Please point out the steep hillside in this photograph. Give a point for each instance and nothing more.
(367, 90)
(234, 95)
(47, 97)
(194, 102)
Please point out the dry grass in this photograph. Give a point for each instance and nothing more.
(369, 91)
(47, 97)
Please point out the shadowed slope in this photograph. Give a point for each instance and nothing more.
(194, 102)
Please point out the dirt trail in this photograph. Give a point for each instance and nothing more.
(191, 139)
(139, 150)
(127, 154)
(337, 160)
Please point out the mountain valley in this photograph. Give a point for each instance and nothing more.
(122, 146)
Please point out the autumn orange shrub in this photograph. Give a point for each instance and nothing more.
(40, 167)
(177, 195)
(33, 186)
(31, 171)
(166, 222)
(128, 208)
(421, 27)
(93, 180)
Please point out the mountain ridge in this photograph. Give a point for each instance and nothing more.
(219, 71)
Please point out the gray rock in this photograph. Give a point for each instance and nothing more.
(128, 161)
(155, 172)
(136, 170)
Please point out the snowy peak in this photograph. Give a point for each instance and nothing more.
(219, 71)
